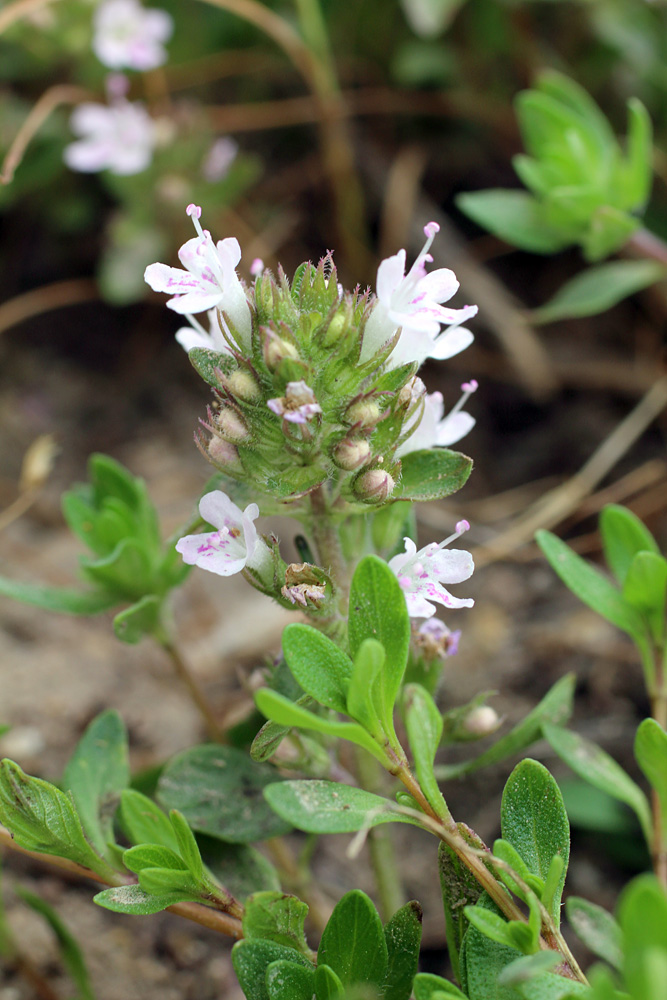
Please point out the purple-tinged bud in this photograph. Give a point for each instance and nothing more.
(231, 426)
(352, 453)
(224, 455)
(242, 385)
(482, 721)
(374, 486)
(364, 412)
(412, 392)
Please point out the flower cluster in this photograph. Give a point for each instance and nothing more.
(316, 393)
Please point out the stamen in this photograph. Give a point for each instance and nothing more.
(257, 267)
(467, 389)
(461, 528)
(194, 211)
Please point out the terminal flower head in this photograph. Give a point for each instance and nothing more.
(127, 35)
(119, 137)
(234, 544)
(434, 429)
(412, 303)
(422, 574)
(298, 405)
(209, 280)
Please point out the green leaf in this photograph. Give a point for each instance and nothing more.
(432, 474)
(289, 981)
(594, 765)
(506, 852)
(111, 479)
(378, 611)
(42, 818)
(290, 484)
(60, 599)
(651, 754)
(645, 588)
(353, 942)
(484, 960)
(364, 696)
(239, 867)
(133, 899)
(424, 727)
(140, 619)
(459, 888)
(328, 807)
(251, 959)
(535, 823)
(555, 707)
(623, 536)
(429, 987)
(599, 288)
(126, 571)
(143, 856)
(275, 706)
(96, 774)
(144, 822)
(206, 362)
(167, 881)
(642, 914)
(590, 586)
(573, 96)
(635, 179)
(524, 969)
(491, 925)
(277, 917)
(327, 984)
(320, 667)
(69, 948)
(219, 791)
(515, 216)
(596, 928)
(402, 933)
(187, 845)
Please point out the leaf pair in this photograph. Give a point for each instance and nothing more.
(364, 685)
(356, 953)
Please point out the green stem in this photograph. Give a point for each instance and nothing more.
(199, 699)
(659, 713)
(390, 891)
(328, 546)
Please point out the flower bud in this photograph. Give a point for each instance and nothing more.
(481, 721)
(336, 329)
(224, 455)
(231, 426)
(243, 385)
(374, 486)
(276, 349)
(352, 453)
(365, 412)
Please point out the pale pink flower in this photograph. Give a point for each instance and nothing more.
(432, 429)
(119, 137)
(298, 405)
(209, 280)
(219, 159)
(412, 302)
(128, 35)
(196, 336)
(422, 574)
(233, 546)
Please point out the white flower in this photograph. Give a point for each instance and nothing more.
(436, 430)
(421, 574)
(128, 35)
(219, 159)
(412, 302)
(196, 336)
(210, 280)
(233, 546)
(119, 138)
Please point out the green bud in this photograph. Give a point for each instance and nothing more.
(231, 426)
(365, 412)
(374, 486)
(481, 721)
(243, 385)
(351, 453)
(276, 350)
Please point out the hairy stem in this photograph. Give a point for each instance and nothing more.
(380, 845)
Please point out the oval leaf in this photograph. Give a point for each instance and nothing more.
(599, 288)
(329, 807)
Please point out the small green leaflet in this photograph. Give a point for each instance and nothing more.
(432, 474)
(651, 754)
(599, 288)
(328, 807)
(276, 916)
(596, 928)
(61, 599)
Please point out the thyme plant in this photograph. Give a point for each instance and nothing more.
(318, 412)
